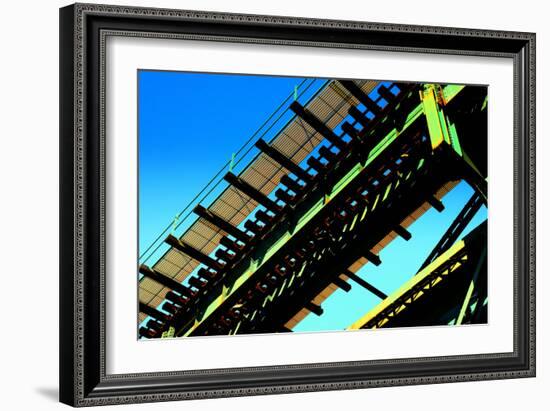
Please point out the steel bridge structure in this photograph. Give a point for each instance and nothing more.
(308, 213)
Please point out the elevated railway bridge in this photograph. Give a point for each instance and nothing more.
(351, 171)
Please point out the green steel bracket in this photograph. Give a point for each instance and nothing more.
(442, 130)
(439, 127)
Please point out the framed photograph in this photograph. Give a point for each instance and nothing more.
(258, 204)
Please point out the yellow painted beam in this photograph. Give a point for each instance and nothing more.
(413, 281)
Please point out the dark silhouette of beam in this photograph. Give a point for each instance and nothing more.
(360, 95)
(251, 192)
(153, 312)
(315, 164)
(220, 223)
(386, 94)
(176, 299)
(435, 203)
(402, 232)
(170, 308)
(291, 184)
(358, 116)
(365, 284)
(224, 255)
(341, 284)
(206, 274)
(314, 308)
(197, 283)
(283, 160)
(164, 280)
(192, 252)
(317, 125)
(455, 229)
(253, 227)
(284, 196)
(350, 130)
(373, 258)
(326, 153)
(154, 325)
(147, 332)
(263, 216)
(230, 244)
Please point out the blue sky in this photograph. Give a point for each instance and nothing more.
(190, 125)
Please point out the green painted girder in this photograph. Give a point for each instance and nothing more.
(442, 129)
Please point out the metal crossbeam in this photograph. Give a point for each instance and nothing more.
(291, 184)
(360, 95)
(341, 284)
(317, 125)
(386, 94)
(176, 299)
(358, 116)
(471, 287)
(283, 160)
(153, 312)
(455, 229)
(220, 223)
(230, 244)
(251, 192)
(314, 308)
(373, 258)
(435, 203)
(163, 280)
(192, 252)
(350, 130)
(366, 285)
(402, 232)
(147, 332)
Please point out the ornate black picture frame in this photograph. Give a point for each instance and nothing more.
(83, 30)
